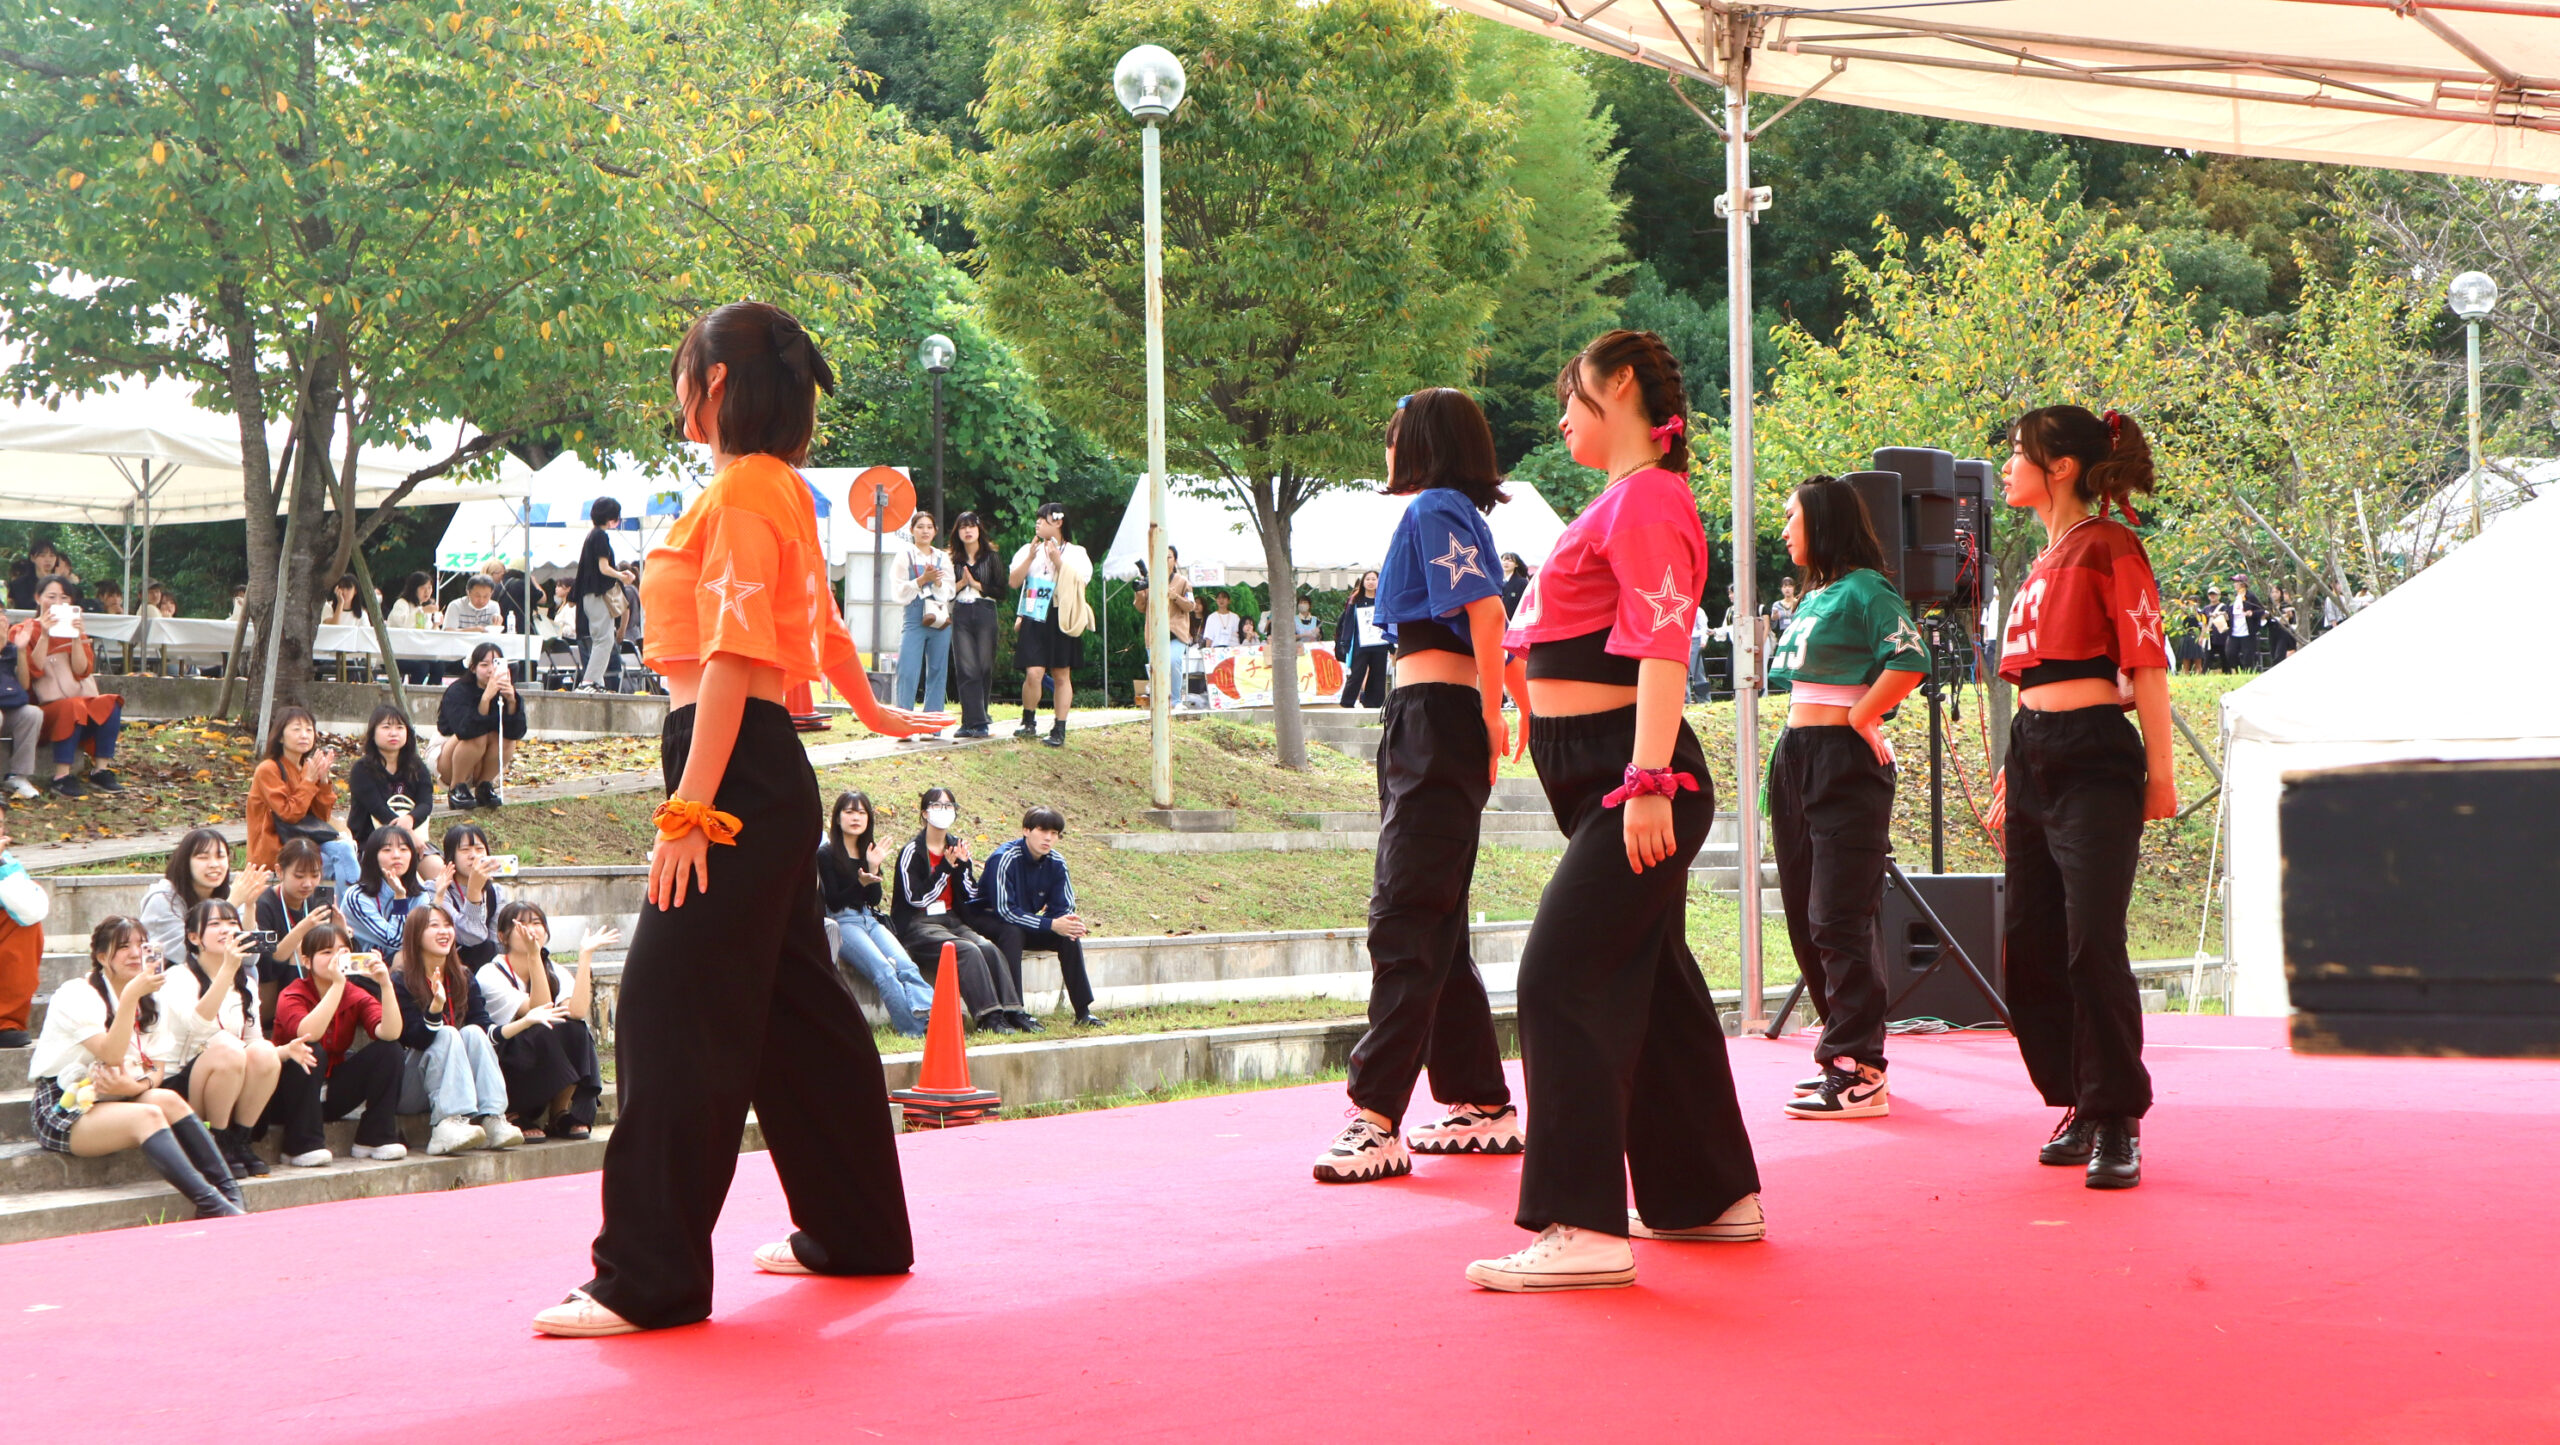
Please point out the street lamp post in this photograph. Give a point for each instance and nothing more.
(934, 355)
(1150, 83)
(2473, 296)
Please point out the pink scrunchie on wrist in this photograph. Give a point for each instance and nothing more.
(1649, 783)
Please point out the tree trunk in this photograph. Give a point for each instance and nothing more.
(1272, 519)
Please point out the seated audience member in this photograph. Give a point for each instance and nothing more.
(390, 782)
(57, 663)
(209, 1035)
(477, 610)
(1026, 902)
(199, 868)
(470, 893)
(291, 795)
(343, 610)
(546, 1048)
(21, 957)
(22, 583)
(452, 1074)
(851, 863)
(22, 717)
(935, 886)
(388, 886)
(480, 715)
(110, 600)
(97, 1087)
(299, 902)
(326, 1011)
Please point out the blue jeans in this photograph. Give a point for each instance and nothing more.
(926, 650)
(868, 948)
(457, 1074)
(338, 862)
(101, 735)
(1181, 683)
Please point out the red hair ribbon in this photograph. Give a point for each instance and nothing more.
(2115, 434)
(1649, 783)
(1672, 428)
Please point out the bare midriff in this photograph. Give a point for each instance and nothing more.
(2070, 695)
(1565, 697)
(683, 678)
(1816, 715)
(1435, 666)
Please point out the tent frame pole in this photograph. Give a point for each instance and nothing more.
(1738, 29)
(370, 599)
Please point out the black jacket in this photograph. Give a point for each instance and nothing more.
(987, 571)
(918, 877)
(418, 1027)
(459, 715)
(369, 791)
(840, 884)
(1346, 626)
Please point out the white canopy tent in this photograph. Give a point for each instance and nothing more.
(2384, 685)
(2444, 519)
(543, 524)
(2469, 87)
(1335, 537)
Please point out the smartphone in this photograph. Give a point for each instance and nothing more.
(504, 865)
(257, 941)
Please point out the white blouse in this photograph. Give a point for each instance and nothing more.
(76, 1015)
(181, 1033)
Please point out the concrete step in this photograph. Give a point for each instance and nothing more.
(82, 901)
(17, 1125)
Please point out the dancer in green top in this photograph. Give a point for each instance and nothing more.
(1852, 653)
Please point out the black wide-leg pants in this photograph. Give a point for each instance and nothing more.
(2074, 783)
(1427, 1005)
(1830, 804)
(1619, 1038)
(728, 1001)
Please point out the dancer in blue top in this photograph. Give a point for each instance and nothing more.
(1440, 599)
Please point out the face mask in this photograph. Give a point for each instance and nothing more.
(940, 817)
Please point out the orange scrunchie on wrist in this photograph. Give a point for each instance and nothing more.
(678, 816)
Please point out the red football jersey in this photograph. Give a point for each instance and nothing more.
(2091, 595)
(1633, 563)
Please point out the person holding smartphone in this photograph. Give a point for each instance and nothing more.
(471, 894)
(539, 1019)
(62, 668)
(389, 782)
(479, 716)
(299, 902)
(209, 1035)
(937, 884)
(344, 994)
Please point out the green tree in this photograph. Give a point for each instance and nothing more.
(361, 219)
(1560, 165)
(1335, 221)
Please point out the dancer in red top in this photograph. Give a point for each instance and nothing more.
(2083, 647)
(1625, 1055)
(729, 995)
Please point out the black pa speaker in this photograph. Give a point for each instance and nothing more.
(2417, 908)
(1970, 905)
(1977, 499)
(1915, 519)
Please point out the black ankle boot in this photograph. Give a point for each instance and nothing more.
(238, 1152)
(2116, 1160)
(206, 1155)
(2071, 1140)
(169, 1159)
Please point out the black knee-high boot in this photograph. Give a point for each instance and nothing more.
(206, 1155)
(169, 1158)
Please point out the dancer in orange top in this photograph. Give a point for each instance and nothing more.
(729, 996)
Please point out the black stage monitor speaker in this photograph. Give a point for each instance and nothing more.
(1970, 905)
(2418, 904)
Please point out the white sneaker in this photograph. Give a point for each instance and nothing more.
(500, 1134)
(1742, 1224)
(1470, 1129)
(23, 789)
(1362, 1152)
(780, 1258)
(315, 1158)
(455, 1134)
(1562, 1257)
(393, 1150)
(1844, 1095)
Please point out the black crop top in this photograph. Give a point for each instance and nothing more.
(1430, 634)
(1582, 659)
(2067, 669)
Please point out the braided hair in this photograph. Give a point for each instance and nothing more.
(768, 401)
(2114, 455)
(1659, 387)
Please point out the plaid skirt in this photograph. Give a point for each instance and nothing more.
(53, 1122)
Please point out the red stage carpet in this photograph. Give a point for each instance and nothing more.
(2325, 1250)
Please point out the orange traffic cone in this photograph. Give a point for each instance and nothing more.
(943, 1097)
(801, 701)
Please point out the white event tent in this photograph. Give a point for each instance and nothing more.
(2392, 682)
(2444, 519)
(1334, 538)
(542, 526)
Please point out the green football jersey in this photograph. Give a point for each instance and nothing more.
(1848, 633)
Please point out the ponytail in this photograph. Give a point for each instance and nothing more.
(1659, 387)
(2114, 455)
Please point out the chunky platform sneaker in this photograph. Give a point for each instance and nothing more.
(2071, 1142)
(1742, 1224)
(780, 1258)
(454, 1134)
(2115, 1160)
(1562, 1257)
(1471, 1129)
(1362, 1152)
(579, 1317)
(1859, 1095)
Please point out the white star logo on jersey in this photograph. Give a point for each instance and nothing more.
(1904, 637)
(733, 594)
(1670, 606)
(1460, 559)
(2146, 621)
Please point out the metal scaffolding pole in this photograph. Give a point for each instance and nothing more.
(1741, 205)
